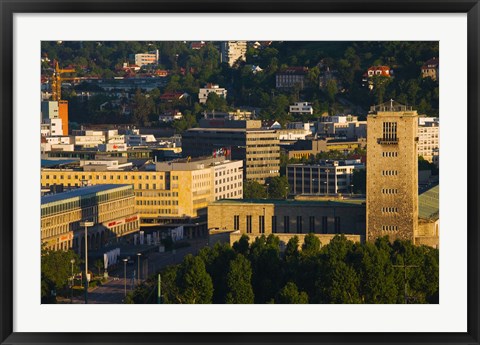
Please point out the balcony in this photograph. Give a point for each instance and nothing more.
(390, 141)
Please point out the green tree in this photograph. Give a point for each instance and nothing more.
(239, 281)
(143, 106)
(99, 266)
(289, 294)
(242, 245)
(56, 270)
(311, 244)
(278, 187)
(194, 283)
(253, 190)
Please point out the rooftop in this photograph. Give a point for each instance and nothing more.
(428, 203)
(288, 202)
(79, 192)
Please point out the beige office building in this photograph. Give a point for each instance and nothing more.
(392, 172)
(166, 192)
(110, 207)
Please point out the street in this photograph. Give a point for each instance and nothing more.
(113, 291)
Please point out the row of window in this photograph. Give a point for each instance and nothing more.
(389, 227)
(390, 209)
(389, 154)
(389, 172)
(286, 224)
(389, 191)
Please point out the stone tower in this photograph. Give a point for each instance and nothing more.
(392, 172)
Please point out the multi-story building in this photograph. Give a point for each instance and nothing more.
(147, 58)
(430, 69)
(346, 126)
(287, 218)
(166, 192)
(326, 177)
(301, 108)
(392, 172)
(291, 77)
(232, 52)
(310, 147)
(110, 207)
(258, 148)
(210, 88)
(51, 110)
(428, 143)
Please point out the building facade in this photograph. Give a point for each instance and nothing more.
(147, 58)
(110, 207)
(428, 141)
(232, 52)
(291, 77)
(210, 88)
(325, 178)
(301, 108)
(166, 192)
(286, 219)
(430, 68)
(392, 172)
(259, 149)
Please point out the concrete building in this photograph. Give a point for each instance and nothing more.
(392, 172)
(428, 141)
(301, 108)
(310, 147)
(232, 52)
(147, 58)
(55, 110)
(258, 148)
(287, 218)
(110, 207)
(210, 88)
(174, 192)
(326, 177)
(345, 126)
(291, 77)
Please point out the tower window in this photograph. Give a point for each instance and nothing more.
(390, 131)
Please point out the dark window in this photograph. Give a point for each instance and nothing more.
(312, 224)
(299, 224)
(236, 222)
(274, 224)
(337, 225)
(261, 224)
(286, 224)
(249, 224)
(325, 224)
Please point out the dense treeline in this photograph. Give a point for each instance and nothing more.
(191, 69)
(340, 272)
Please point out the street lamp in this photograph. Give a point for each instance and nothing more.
(125, 276)
(71, 286)
(351, 190)
(86, 224)
(138, 261)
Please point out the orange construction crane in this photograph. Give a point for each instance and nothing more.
(57, 80)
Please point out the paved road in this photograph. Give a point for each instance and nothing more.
(112, 292)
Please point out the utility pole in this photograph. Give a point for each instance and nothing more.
(405, 266)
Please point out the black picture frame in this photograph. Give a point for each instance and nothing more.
(10, 7)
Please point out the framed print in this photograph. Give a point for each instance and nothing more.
(244, 172)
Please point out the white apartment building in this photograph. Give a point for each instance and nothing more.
(228, 180)
(233, 51)
(301, 108)
(147, 58)
(51, 127)
(209, 88)
(428, 141)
